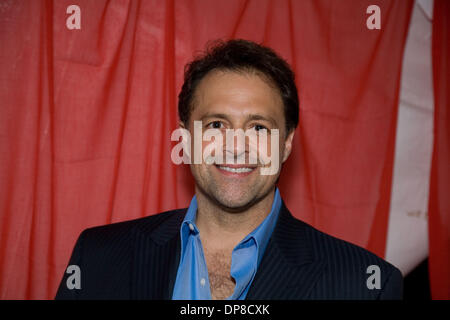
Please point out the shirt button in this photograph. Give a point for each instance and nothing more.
(202, 282)
(191, 226)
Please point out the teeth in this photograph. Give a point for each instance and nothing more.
(236, 170)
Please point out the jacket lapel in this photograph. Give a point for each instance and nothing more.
(289, 269)
(156, 257)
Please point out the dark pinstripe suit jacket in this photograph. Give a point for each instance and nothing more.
(138, 259)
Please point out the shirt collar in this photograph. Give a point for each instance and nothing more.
(260, 235)
(188, 226)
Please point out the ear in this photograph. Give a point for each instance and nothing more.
(288, 145)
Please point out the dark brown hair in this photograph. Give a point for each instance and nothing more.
(241, 55)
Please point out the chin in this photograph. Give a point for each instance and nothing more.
(233, 202)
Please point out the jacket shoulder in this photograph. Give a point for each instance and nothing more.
(105, 255)
(124, 228)
(356, 267)
(332, 248)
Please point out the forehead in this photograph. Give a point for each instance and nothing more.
(237, 93)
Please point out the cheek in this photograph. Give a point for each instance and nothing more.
(198, 172)
(269, 146)
(209, 149)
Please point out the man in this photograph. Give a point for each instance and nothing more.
(237, 239)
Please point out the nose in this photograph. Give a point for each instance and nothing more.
(235, 147)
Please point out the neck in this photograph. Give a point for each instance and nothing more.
(224, 229)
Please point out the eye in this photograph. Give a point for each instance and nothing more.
(215, 125)
(259, 127)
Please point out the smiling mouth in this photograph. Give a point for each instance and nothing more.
(236, 170)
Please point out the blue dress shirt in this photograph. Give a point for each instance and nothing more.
(192, 282)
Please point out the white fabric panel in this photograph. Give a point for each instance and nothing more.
(407, 242)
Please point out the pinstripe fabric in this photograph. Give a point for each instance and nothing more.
(138, 259)
(304, 263)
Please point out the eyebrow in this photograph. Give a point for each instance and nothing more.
(259, 117)
(250, 117)
(214, 115)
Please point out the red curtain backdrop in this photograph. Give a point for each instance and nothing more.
(86, 117)
(439, 203)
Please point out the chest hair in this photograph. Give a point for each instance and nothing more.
(219, 266)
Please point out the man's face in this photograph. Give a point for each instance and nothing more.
(237, 100)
